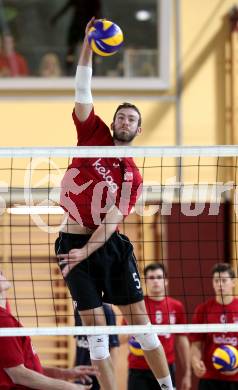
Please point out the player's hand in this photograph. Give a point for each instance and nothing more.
(71, 259)
(199, 368)
(79, 387)
(230, 373)
(81, 373)
(186, 382)
(89, 25)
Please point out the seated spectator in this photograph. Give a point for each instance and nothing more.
(20, 367)
(50, 66)
(12, 63)
(4, 69)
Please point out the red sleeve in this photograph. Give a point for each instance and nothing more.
(198, 318)
(135, 194)
(13, 353)
(93, 131)
(130, 195)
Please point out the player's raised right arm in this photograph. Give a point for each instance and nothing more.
(83, 95)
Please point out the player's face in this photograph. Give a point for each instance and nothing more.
(4, 283)
(125, 127)
(223, 284)
(155, 283)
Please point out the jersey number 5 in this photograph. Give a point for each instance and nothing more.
(137, 280)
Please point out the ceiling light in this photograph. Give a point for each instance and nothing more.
(35, 210)
(143, 15)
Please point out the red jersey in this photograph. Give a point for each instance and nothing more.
(13, 65)
(212, 312)
(17, 65)
(91, 186)
(167, 311)
(15, 351)
(4, 69)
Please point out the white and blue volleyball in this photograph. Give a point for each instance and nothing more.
(225, 358)
(134, 347)
(105, 37)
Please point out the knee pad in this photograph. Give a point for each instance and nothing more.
(99, 347)
(148, 341)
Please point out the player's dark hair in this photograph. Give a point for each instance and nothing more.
(153, 267)
(223, 267)
(128, 105)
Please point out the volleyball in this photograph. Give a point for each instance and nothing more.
(105, 37)
(135, 348)
(225, 358)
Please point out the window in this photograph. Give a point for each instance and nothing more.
(44, 30)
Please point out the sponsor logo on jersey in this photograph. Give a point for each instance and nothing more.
(158, 317)
(223, 339)
(116, 165)
(82, 343)
(106, 175)
(223, 319)
(172, 318)
(128, 176)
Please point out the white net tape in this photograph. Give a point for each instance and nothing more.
(122, 151)
(127, 329)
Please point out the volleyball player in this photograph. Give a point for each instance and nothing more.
(20, 367)
(162, 310)
(97, 261)
(223, 308)
(82, 351)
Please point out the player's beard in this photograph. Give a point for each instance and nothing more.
(123, 136)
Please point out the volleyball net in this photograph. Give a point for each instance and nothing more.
(186, 218)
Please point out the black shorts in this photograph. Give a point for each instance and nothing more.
(212, 384)
(145, 379)
(108, 275)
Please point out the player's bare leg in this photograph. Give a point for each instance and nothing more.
(106, 378)
(135, 314)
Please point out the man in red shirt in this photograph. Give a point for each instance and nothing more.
(98, 262)
(20, 367)
(221, 309)
(162, 310)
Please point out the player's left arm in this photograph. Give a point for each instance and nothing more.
(230, 373)
(114, 355)
(97, 239)
(183, 349)
(79, 372)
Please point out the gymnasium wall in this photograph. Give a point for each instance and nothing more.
(36, 118)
